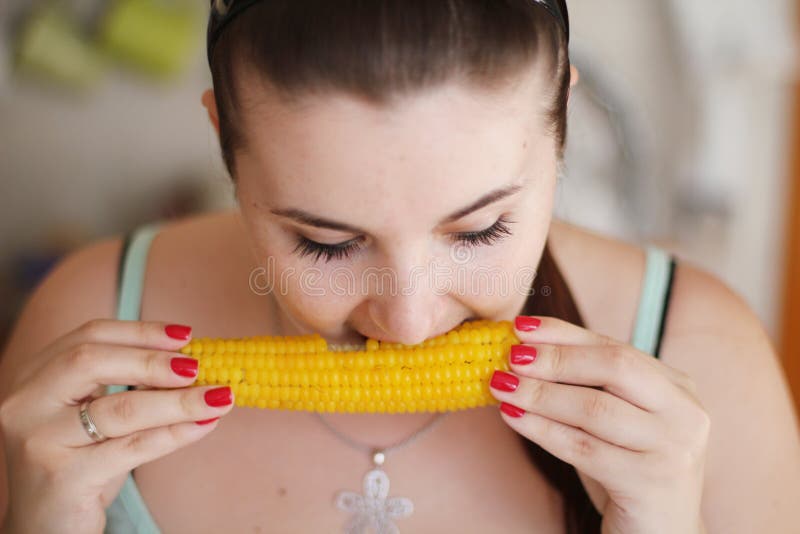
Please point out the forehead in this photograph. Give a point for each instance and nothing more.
(456, 139)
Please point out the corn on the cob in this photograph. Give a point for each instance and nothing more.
(444, 373)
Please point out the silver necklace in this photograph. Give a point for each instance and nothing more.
(374, 509)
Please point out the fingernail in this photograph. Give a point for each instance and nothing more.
(504, 381)
(222, 396)
(184, 366)
(207, 421)
(522, 354)
(510, 409)
(524, 323)
(178, 331)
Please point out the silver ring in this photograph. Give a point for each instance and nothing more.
(88, 424)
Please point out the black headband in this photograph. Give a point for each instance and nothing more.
(224, 11)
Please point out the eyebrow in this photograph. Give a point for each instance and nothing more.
(310, 219)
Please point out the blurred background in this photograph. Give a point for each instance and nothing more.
(682, 132)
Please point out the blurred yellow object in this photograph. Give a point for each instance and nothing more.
(50, 46)
(445, 373)
(156, 37)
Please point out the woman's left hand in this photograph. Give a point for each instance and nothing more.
(631, 425)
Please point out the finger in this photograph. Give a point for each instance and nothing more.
(599, 413)
(554, 331)
(121, 455)
(144, 334)
(76, 375)
(128, 412)
(619, 369)
(543, 329)
(595, 457)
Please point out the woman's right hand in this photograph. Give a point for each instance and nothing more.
(60, 479)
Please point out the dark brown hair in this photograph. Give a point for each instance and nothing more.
(556, 300)
(383, 50)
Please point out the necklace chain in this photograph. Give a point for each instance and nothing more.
(370, 449)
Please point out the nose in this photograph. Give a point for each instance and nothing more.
(406, 314)
(401, 321)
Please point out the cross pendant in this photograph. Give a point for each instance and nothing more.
(374, 511)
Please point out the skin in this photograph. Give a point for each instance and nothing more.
(449, 141)
(294, 158)
(461, 147)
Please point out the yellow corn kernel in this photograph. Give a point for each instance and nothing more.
(445, 373)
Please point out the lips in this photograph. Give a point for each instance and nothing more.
(459, 324)
(359, 337)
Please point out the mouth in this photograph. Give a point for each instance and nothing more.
(361, 340)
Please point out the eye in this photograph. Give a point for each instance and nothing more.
(306, 247)
(489, 236)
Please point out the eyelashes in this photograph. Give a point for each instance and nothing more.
(489, 236)
(306, 247)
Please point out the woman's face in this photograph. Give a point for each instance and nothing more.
(397, 223)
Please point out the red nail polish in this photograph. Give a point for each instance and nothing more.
(178, 331)
(504, 381)
(523, 323)
(207, 421)
(216, 397)
(522, 354)
(184, 366)
(510, 409)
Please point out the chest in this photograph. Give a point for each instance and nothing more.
(265, 471)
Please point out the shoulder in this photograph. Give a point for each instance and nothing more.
(706, 319)
(82, 286)
(713, 336)
(190, 243)
(604, 275)
(607, 274)
(201, 260)
(752, 481)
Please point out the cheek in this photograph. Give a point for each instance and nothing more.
(501, 276)
(319, 296)
(496, 282)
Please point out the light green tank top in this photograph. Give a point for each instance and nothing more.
(128, 513)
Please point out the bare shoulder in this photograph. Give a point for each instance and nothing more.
(753, 458)
(82, 286)
(201, 260)
(604, 274)
(78, 288)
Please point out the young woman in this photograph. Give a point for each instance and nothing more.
(391, 136)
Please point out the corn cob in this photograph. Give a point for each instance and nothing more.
(444, 373)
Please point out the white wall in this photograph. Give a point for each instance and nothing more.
(98, 160)
(706, 93)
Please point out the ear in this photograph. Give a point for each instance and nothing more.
(211, 106)
(574, 76)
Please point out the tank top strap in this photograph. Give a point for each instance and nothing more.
(130, 280)
(654, 300)
(128, 513)
(132, 270)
